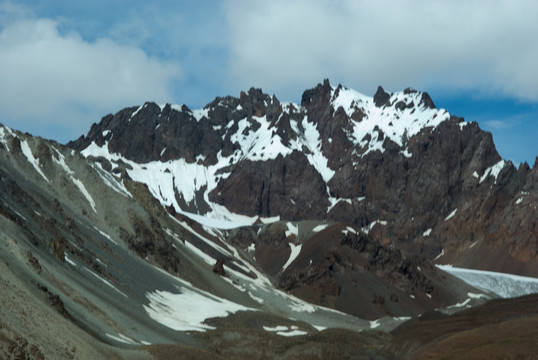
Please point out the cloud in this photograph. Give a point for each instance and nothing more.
(498, 124)
(61, 80)
(487, 47)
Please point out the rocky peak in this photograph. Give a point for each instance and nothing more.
(381, 97)
(319, 95)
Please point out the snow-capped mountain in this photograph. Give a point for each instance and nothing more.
(418, 178)
(261, 229)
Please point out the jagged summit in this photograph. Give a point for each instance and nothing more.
(392, 158)
(266, 219)
(177, 129)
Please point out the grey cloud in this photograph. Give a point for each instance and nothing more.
(66, 81)
(488, 46)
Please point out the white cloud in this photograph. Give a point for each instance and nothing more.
(64, 81)
(485, 46)
(497, 124)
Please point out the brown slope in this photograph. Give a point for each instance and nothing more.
(499, 329)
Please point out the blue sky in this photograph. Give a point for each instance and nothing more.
(65, 64)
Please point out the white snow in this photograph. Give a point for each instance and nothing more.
(276, 328)
(200, 113)
(105, 235)
(406, 153)
(493, 170)
(105, 281)
(462, 304)
(372, 224)
(61, 161)
(333, 201)
(319, 228)
(473, 244)
(476, 296)
(269, 220)
(31, 159)
(69, 261)
(374, 324)
(3, 139)
(122, 338)
(136, 111)
(440, 255)
(292, 333)
(312, 141)
(295, 251)
(167, 179)
(451, 215)
(350, 229)
(397, 125)
(283, 330)
(292, 229)
(110, 181)
(519, 201)
(504, 285)
(188, 309)
(427, 232)
(475, 174)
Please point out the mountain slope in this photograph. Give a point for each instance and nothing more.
(254, 228)
(420, 179)
(84, 248)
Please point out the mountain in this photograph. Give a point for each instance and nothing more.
(255, 228)
(421, 180)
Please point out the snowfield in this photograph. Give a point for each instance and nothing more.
(256, 140)
(501, 284)
(188, 309)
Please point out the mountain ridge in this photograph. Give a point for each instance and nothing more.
(226, 230)
(392, 157)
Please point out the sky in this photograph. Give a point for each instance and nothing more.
(66, 64)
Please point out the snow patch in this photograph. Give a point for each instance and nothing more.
(61, 161)
(188, 309)
(372, 224)
(3, 139)
(427, 232)
(320, 228)
(501, 284)
(440, 255)
(397, 124)
(105, 235)
(122, 338)
(31, 159)
(451, 215)
(295, 251)
(285, 330)
(292, 229)
(311, 139)
(406, 153)
(493, 170)
(374, 324)
(292, 333)
(335, 201)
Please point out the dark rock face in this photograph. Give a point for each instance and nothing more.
(219, 267)
(381, 97)
(266, 188)
(412, 184)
